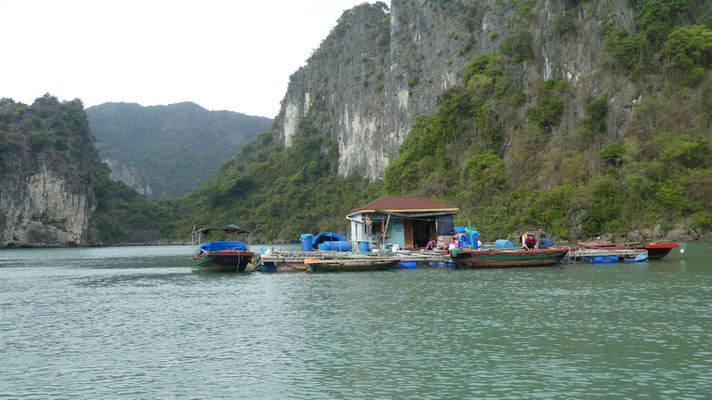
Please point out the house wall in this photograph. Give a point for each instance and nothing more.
(358, 230)
(396, 234)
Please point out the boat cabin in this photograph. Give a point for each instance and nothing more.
(408, 222)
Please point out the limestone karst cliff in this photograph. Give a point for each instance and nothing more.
(379, 67)
(46, 161)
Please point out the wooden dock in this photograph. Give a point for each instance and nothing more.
(592, 255)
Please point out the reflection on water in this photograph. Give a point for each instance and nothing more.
(137, 322)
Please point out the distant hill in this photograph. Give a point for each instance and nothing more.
(167, 151)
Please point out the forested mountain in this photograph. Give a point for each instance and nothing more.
(579, 118)
(140, 144)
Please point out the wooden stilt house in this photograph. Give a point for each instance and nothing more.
(409, 222)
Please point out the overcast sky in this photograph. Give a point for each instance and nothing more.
(223, 55)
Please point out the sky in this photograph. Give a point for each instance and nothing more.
(223, 55)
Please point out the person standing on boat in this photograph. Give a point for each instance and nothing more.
(530, 241)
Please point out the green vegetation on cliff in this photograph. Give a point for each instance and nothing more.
(280, 192)
(583, 182)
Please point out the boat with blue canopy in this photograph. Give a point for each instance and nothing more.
(221, 255)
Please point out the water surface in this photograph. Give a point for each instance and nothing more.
(138, 322)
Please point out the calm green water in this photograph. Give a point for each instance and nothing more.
(137, 322)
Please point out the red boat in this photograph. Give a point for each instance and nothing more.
(656, 251)
(506, 258)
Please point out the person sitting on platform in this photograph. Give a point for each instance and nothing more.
(430, 245)
(530, 242)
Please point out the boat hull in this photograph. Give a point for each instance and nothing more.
(223, 261)
(656, 251)
(509, 258)
(336, 265)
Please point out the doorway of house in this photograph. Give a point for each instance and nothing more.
(421, 233)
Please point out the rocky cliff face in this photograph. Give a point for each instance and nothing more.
(46, 158)
(379, 68)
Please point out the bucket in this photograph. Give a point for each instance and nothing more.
(363, 246)
(306, 240)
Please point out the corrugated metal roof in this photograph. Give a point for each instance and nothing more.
(404, 204)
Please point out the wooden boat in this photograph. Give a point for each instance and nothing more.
(220, 256)
(656, 251)
(507, 258)
(350, 263)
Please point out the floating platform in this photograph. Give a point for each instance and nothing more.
(424, 258)
(281, 260)
(605, 256)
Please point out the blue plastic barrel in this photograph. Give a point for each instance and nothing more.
(406, 265)
(363, 246)
(306, 240)
(324, 246)
(503, 244)
(340, 245)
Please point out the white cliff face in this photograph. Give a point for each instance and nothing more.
(357, 133)
(44, 210)
(291, 122)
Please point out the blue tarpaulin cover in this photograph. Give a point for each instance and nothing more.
(222, 245)
(545, 243)
(327, 237)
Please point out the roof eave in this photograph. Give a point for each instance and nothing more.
(410, 210)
